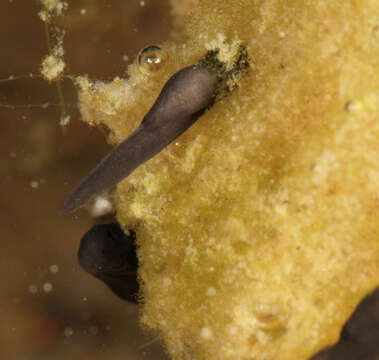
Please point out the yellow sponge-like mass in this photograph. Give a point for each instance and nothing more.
(258, 228)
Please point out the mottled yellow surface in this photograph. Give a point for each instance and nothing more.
(258, 229)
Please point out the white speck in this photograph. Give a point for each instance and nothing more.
(85, 299)
(142, 3)
(83, 11)
(47, 287)
(54, 268)
(34, 184)
(43, 15)
(94, 330)
(211, 291)
(65, 121)
(282, 34)
(12, 154)
(125, 57)
(206, 333)
(33, 289)
(101, 206)
(68, 332)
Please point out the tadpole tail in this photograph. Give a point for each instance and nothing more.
(116, 166)
(182, 100)
(145, 142)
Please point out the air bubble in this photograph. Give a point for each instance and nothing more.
(152, 59)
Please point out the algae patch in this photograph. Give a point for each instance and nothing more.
(258, 228)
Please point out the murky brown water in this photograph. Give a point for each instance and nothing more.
(50, 308)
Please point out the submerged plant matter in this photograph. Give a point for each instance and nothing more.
(258, 228)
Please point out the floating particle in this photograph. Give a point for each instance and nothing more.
(52, 67)
(102, 205)
(83, 11)
(34, 184)
(33, 289)
(65, 120)
(68, 331)
(47, 287)
(54, 268)
(56, 6)
(43, 15)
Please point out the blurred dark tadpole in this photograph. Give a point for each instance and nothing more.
(108, 254)
(360, 336)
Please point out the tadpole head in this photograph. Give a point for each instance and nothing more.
(106, 250)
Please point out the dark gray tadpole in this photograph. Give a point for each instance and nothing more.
(360, 336)
(108, 254)
(182, 100)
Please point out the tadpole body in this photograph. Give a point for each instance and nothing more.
(182, 100)
(108, 254)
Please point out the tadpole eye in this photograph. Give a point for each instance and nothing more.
(152, 59)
